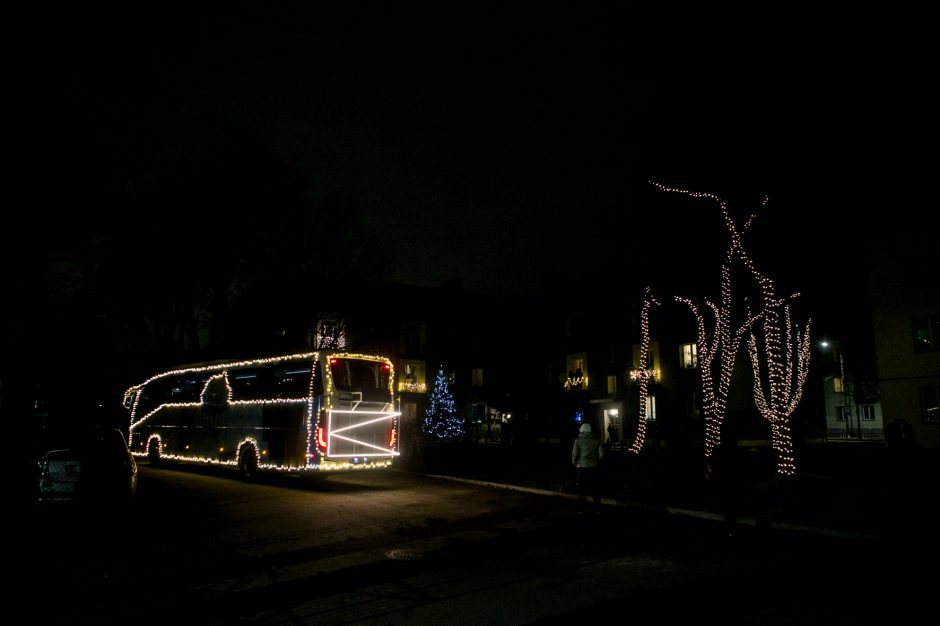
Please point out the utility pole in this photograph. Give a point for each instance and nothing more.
(848, 399)
(845, 396)
(848, 396)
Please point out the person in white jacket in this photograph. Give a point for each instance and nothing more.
(586, 455)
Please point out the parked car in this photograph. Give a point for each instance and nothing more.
(96, 466)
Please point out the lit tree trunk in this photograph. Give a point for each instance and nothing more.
(778, 395)
(643, 374)
(718, 345)
(786, 359)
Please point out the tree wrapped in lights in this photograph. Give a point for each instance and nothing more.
(331, 332)
(440, 419)
(717, 344)
(782, 354)
(719, 341)
(785, 363)
(643, 373)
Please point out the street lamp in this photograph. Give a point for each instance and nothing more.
(846, 399)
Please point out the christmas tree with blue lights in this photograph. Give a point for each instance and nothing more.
(440, 420)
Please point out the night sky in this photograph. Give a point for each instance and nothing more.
(502, 147)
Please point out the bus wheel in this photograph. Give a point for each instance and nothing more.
(153, 452)
(248, 463)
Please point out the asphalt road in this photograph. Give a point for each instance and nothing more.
(204, 547)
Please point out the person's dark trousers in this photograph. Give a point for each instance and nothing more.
(589, 486)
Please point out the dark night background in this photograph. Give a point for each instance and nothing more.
(168, 155)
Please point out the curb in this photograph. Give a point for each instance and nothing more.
(706, 515)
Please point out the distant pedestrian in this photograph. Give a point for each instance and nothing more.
(586, 455)
(611, 434)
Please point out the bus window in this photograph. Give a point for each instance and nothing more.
(151, 397)
(292, 382)
(283, 380)
(249, 383)
(185, 390)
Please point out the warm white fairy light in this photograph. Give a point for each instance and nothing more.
(785, 377)
(317, 416)
(412, 387)
(312, 419)
(576, 382)
(649, 374)
(715, 343)
(643, 375)
(717, 347)
(228, 388)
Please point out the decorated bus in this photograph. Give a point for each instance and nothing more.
(304, 413)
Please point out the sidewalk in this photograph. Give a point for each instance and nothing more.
(848, 489)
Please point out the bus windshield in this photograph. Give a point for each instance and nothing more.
(370, 378)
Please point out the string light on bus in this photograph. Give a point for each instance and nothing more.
(315, 430)
(312, 456)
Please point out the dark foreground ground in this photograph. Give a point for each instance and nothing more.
(849, 488)
(848, 540)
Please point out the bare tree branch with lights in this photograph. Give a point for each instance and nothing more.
(781, 353)
(718, 341)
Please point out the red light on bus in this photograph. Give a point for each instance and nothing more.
(334, 361)
(321, 438)
(391, 438)
(386, 367)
